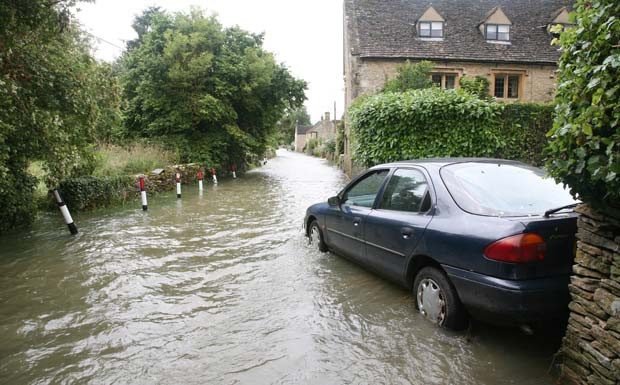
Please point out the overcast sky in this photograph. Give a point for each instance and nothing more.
(304, 35)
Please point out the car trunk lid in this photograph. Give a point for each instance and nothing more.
(558, 231)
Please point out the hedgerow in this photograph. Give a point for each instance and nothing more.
(423, 123)
(584, 150)
(524, 128)
(87, 193)
(435, 123)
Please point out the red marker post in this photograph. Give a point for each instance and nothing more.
(199, 180)
(214, 176)
(143, 194)
(232, 168)
(178, 179)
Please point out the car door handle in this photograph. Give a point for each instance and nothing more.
(357, 221)
(407, 232)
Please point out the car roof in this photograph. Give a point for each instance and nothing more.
(440, 162)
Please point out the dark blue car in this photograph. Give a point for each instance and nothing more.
(486, 238)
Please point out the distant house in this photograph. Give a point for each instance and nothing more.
(300, 137)
(324, 129)
(505, 41)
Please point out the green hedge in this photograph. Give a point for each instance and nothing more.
(524, 128)
(16, 197)
(436, 123)
(585, 146)
(87, 193)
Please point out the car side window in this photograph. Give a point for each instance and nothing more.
(407, 191)
(364, 192)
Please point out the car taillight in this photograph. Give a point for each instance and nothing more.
(517, 249)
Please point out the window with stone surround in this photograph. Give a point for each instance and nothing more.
(507, 86)
(444, 80)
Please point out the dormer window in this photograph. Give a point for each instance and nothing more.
(496, 26)
(430, 24)
(497, 32)
(430, 29)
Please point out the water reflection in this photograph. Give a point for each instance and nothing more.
(222, 288)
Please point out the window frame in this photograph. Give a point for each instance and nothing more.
(429, 192)
(444, 76)
(358, 180)
(430, 29)
(486, 32)
(506, 79)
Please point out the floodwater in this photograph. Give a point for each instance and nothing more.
(223, 289)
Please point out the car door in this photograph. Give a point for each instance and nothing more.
(394, 228)
(345, 222)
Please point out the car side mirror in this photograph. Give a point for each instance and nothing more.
(334, 201)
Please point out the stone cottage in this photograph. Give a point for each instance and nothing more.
(324, 129)
(506, 41)
(300, 137)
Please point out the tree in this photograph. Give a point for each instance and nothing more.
(478, 85)
(212, 91)
(411, 77)
(286, 126)
(52, 96)
(584, 151)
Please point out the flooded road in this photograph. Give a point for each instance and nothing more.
(223, 289)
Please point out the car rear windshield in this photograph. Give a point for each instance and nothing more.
(501, 189)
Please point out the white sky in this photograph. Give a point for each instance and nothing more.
(304, 35)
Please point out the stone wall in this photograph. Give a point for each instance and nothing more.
(164, 181)
(591, 346)
(538, 81)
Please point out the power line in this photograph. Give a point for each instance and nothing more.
(100, 39)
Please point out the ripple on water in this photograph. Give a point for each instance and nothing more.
(223, 288)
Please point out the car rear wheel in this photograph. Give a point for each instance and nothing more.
(315, 237)
(437, 300)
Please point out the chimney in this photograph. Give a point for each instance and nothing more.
(327, 116)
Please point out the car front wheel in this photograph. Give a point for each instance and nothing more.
(315, 237)
(437, 300)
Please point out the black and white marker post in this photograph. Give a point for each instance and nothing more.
(214, 176)
(65, 213)
(178, 179)
(143, 194)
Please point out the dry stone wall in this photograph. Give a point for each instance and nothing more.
(165, 180)
(591, 346)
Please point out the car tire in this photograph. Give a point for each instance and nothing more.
(437, 301)
(315, 236)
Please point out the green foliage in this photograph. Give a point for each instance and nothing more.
(423, 123)
(411, 77)
(523, 131)
(339, 145)
(16, 198)
(311, 145)
(212, 93)
(88, 192)
(139, 157)
(53, 98)
(435, 123)
(285, 133)
(585, 140)
(329, 147)
(478, 86)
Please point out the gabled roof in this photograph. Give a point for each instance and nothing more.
(385, 29)
(302, 129)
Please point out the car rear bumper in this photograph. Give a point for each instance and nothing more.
(511, 302)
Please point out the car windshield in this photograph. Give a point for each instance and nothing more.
(500, 189)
